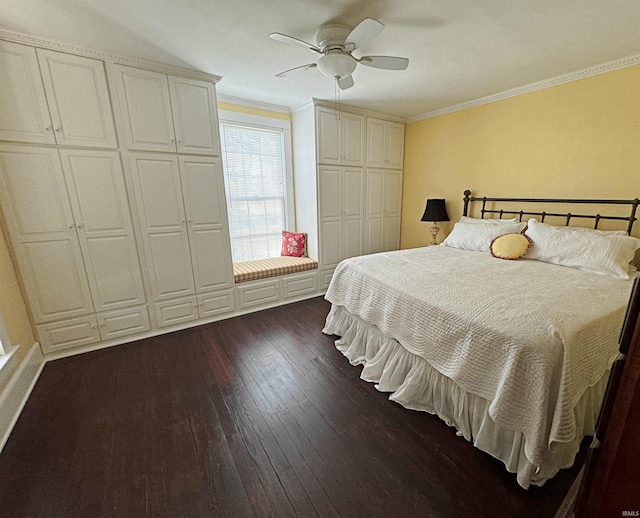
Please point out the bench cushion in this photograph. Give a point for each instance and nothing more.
(263, 268)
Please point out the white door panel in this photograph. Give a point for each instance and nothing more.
(353, 181)
(195, 118)
(143, 97)
(328, 137)
(392, 232)
(101, 212)
(395, 145)
(330, 197)
(376, 142)
(330, 237)
(54, 278)
(24, 114)
(201, 184)
(375, 193)
(76, 89)
(352, 238)
(353, 138)
(375, 235)
(68, 334)
(211, 264)
(393, 192)
(124, 322)
(171, 264)
(176, 311)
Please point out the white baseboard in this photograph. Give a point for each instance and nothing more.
(16, 392)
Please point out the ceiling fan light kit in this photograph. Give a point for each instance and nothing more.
(336, 43)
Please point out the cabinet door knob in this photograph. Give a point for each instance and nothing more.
(48, 128)
(173, 140)
(80, 225)
(59, 129)
(70, 226)
(179, 141)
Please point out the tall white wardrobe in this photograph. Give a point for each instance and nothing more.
(348, 167)
(112, 195)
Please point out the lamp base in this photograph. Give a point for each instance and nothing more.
(434, 232)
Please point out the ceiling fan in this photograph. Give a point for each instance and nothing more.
(335, 44)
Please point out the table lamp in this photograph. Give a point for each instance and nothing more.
(435, 211)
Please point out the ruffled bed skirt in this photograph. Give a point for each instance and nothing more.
(416, 385)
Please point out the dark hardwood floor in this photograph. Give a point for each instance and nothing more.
(257, 415)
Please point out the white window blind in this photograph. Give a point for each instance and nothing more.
(254, 176)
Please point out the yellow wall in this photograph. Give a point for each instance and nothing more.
(253, 111)
(12, 306)
(576, 140)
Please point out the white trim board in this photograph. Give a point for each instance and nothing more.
(17, 391)
(147, 64)
(602, 68)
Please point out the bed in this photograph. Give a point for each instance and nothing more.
(514, 354)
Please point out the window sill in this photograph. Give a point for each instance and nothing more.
(8, 364)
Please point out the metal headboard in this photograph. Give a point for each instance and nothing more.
(567, 215)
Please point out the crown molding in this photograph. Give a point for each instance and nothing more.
(146, 64)
(347, 109)
(532, 87)
(253, 104)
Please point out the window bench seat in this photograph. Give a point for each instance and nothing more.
(263, 268)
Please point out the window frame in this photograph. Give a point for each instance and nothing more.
(252, 121)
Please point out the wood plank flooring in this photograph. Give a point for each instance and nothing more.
(257, 415)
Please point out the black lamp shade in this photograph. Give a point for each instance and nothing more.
(435, 211)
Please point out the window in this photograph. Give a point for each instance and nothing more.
(257, 178)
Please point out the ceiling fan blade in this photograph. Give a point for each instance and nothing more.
(305, 67)
(345, 82)
(364, 33)
(385, 62)
(290, 40)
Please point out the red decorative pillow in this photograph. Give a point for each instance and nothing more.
(294, 244)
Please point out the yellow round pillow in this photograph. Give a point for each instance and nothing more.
(510, 246)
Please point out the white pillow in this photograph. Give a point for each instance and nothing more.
(585, 249)
(477, 236)
(465, 219)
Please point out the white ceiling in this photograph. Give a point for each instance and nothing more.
(459, 50)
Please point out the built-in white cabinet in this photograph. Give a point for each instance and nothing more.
(385, 143)
(103, 223)
(383, 207)
(340, 137)
(53, 98)
(38, 213)
(24, 115)
(166, 113)
(182, 215)
(70, 225)
(78, 99)
(341, 213)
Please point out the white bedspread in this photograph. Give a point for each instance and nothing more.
(528, 336)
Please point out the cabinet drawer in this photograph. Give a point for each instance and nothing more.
(293, 286)
(68, 334)
(325, 277)
(124, 322)
(215, 303)
(176, 311)
(254, 294)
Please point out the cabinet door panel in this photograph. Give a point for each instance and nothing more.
(376, 142)
(353, 139)
(123, 322)
(206, 221)
(216, 303)
(375, 231)
(330, 180)
(393, 192)
(176, 312)
(330, 237)
(54, 278)
(328, 137)
(353, 192)
(395, 145)
(76, 89)
(392, 232)
(34, 193)
(143, 98)
(195, 116)
(68, 334)
(375, 193)
(352, 238)
(24, 115)
(156, 184)
(171, 264)
(101, 211)
(38, 212)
